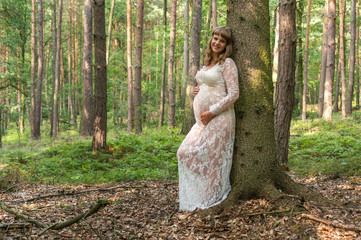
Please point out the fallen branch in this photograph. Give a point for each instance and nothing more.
(337, 225)
(271, 212)
(22, 216)
(14, 225)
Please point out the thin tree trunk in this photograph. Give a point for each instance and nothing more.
(342, 7)
(39, 87)
(299, 80)
(305, 72)
(214, 13)
(70, 49)
(357, 77)
(351, 72)
(100, 94)
(54, 32)
(171, 91)
(286, 77)
(185, 53)
(57, 73)
(110, 29)
(138, 68)
(323, 64)
(189, 120)
(87, 128)
(162, 90)
(330, 69)
(337, 90)
(33, 69)
(129, 62)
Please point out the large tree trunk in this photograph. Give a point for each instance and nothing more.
(39, 86)
(330, 69)
(138, 68)
(33, 69)
(305, 72)
(171, 65)
(129, 69)
(55, 106)
(88, 116)
(185, 53)
(162, 90)
(286, 77)
(351, 72)
(323, 64)
(342, 8)
(256, 172)
(100, 94)
(189, 120)
(276, 51)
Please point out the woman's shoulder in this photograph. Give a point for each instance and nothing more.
(229, 61)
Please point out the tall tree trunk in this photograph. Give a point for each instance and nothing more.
(162, 90)
(256, 172)
(299, 75)
(286, 77)
(54, 47)
(39, 87)
(305, 72)
(351, 72)
(33, 69)
(323, 64)
(100, 94)
(185, 53)
(110, 29)
(171, 91)
(189, 120)
(138, 68)
(70, 70)
(330, 69)
(129, 69)
(214, 13)
(57, 73)
(337, 90)
(357, 58)
(342, 8)
(276, 51)
(87, 128)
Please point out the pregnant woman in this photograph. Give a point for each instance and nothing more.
(205, 155)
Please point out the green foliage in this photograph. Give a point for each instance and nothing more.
(331, 148)
(129, 157)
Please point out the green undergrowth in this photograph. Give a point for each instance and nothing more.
(330, 148)
(69, 160)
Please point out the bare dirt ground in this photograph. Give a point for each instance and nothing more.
(149, 210)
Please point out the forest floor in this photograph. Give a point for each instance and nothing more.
(149, 210)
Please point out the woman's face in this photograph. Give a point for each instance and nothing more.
(218, 44)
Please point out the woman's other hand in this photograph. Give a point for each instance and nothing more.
(206, 117)
(195, 91)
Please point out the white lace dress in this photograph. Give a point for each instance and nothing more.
(205, 155)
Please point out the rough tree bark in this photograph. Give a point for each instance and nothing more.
(256, 172)
(330, 69)
(87, 128)
(171, 93)
(299, 75)
(33, 68)
(129, 68)
(305, 72)
(185, 53)
(342, 7)
(162, 90)
(286, 76)
(323, 64)
(195, 43)
(100, 93)
(351, 73)
(55, 100)
(110, 29)
(39, 85)
(138, 68)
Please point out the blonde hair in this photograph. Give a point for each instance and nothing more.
(224, 32)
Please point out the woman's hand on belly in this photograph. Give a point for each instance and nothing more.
(206, 117)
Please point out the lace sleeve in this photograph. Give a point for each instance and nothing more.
(230, 76)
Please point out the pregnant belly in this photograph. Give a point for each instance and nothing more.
(204, 100)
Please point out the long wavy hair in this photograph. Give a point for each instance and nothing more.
(226, 33)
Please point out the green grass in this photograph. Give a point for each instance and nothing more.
(69, 159)
(329, 148)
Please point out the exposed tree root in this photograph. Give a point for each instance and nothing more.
(337, 225)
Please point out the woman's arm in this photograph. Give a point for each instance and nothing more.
(230, 75)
